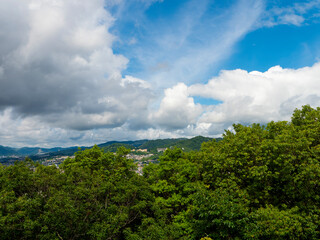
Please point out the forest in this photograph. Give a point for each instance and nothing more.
(258, 182)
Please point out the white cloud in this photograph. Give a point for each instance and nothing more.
(61, 65)
(246, 97)
(291, 19)
(177, 110)
(294, 14)
(258, 96)
(59, 74)
(136, 81)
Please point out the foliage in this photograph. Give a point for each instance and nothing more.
(96, 195)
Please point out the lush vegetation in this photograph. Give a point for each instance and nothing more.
(259, 182)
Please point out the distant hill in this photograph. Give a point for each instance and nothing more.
(192, 144)
(134, 144)
(160, 143)
(152, 145)
(6, 151)
(114, 146)
(36, 152)
(61, 152)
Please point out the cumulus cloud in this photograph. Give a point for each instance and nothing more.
(57, 64)
(177, 110)
(258, 96)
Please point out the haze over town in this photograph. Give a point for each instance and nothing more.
(86, 72)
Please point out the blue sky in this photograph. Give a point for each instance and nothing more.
(287, 46)
(167, 31)
(85, 72)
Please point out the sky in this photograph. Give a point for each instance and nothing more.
(85, 72)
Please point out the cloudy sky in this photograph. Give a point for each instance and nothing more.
(84, 72)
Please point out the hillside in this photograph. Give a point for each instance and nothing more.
(160, 143)
(6, 151)
(134, 144)
(192, 144)
(9, 154)
(114, 146)
(152, 145)
(29, 151)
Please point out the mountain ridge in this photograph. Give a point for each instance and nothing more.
(35, 153)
